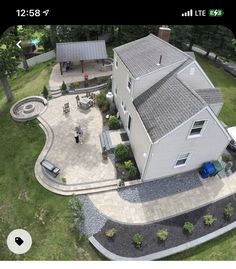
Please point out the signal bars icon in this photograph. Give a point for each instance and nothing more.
(188, 13)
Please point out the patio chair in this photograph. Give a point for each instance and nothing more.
(66, 108)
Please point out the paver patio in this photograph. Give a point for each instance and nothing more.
(79, 163)
(75, 74)
(114, 207)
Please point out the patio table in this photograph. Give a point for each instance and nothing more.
(85, 102)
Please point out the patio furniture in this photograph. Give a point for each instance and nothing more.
(51, 168)
(77, 100)
(66, 108)
(85, 102)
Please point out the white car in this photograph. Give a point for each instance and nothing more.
(232, 144)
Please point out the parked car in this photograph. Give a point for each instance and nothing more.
(232, 143)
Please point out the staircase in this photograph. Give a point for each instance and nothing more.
(55, 93)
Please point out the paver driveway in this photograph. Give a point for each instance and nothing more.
(78, 163)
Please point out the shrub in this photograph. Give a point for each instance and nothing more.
(137, 240)
(132, 170)
(45, 92)
(162, 234)
(209, 219)
(102, 102)
(113, 123)
(188, 227)
(63, 87)
(227, 158)
(228, 211)
(63, 179)
(121, 152)
(111, 233)
(77, 207)
(109, 84)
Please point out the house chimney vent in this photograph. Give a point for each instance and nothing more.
(164, 33)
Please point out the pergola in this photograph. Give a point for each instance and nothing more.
(80, 51)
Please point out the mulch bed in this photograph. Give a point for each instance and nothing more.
(89, 83)
(122, 244)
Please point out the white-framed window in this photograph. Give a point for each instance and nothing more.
(123, 105)
(182, 159)
(129, 123)
(197, 128)
(115, 90)
(116, 63)
(129, 83)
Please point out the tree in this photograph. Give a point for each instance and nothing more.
(8, 61)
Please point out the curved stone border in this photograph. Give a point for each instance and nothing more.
(60, 188)
(23, 101)
(164, 253)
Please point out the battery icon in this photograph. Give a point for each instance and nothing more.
(216, 12)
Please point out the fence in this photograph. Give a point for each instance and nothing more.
(40, 58)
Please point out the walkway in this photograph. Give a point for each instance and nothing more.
(115, 208)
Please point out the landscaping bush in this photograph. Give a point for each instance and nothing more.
(45, 92)
(162, 234)
(102, 102)
(63, 87)
(77, 208)
(109, 84)
(227, 158)
(113, 123)
(132, 170)
(121, 152)
(228, 211)
(209, 219)
(188, 227)
(137, 240)
(111, 233)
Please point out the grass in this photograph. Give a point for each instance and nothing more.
(227, 83)
(23, 199)
(24, 203)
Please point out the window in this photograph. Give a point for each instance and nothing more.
(116, 63)
(129, 82)
(197, 127)
(123, 105)
(182, 159)
(115, 91)
(129, 122)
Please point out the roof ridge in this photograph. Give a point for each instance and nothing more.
(164, 79)
(192, 92)
(61, 43)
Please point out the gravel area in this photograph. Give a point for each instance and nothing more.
(94, 220)
(160, 188)
(122, 243)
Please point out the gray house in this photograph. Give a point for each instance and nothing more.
(168, 106)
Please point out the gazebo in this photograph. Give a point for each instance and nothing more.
(80, 51)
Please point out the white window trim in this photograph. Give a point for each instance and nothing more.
(129, 89)
(187, 160)
(116, 61)
(202, 131)
(123, 105)
(128, 131)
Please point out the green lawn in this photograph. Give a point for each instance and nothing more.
(227, 83)
(24, 203)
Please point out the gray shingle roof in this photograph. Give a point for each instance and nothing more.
(76, 51)
(166, 105)
(211, 96)
(142, 56)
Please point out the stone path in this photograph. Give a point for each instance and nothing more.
(117, 209)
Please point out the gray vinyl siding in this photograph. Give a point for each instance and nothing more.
(164, 153)
(139, 139)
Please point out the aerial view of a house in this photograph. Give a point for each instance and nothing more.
(117, 142)
(169, 107)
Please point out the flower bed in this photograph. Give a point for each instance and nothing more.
(123, 245)
(88, 83)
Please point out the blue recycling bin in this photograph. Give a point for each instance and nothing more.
(207, 170)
